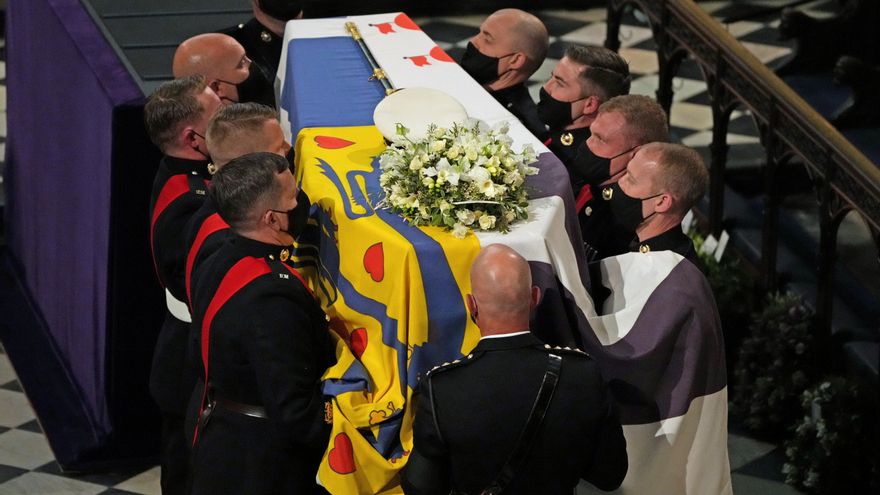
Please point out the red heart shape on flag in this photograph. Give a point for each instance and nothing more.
(405, 22)
(341, 456)
(439, 54)
(374, 262)
(332, 143)
(419, 60)
(384, 27)
(358, 341)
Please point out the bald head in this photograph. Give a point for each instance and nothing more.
(526, 33)
(218, 57)
(502, 292)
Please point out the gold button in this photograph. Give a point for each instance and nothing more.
(588, 210)
(607, 193)
(644, 248)
(285, 255)
(265, 36)
(566, 139)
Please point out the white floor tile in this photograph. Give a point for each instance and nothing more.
(7, 374)
(592, 34)
(146, 483)
(704, 138)
(766, 53)
(640, 61)
(683, 88)
(2, 69)
(742, 28)
(691, 116)
(48, 484)
(14, 409)
(23, 449)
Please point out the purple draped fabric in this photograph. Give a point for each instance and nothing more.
(64, 81)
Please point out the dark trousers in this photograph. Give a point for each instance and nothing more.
(175, 456)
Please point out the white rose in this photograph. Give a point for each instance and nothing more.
(487, 222)
(460, 231)
(453, 152)
(465, 216)
(415, 164)
(438, 146)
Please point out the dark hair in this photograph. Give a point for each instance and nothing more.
(171, 106)
(244, 185)
(607, 73)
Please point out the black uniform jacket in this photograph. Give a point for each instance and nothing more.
(471, 413)
(674, 240)
(263, 47)
(517, 100)
(204, 234)
(266, 344)
(179, 189)
(603, 235)
(564, 144)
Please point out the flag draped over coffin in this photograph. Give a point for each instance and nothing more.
(392, 326)
(659, 345)
(395, 294)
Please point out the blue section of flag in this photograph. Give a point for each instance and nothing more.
(344, 76)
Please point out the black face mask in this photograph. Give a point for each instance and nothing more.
(483, 68)
(587, 168)
(298, 217)
(291, 160)
(555, 113)
(255, 88)
(627, 210)
(590, 168)
(283, 10)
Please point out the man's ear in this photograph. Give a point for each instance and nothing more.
(518, 60)
(666, 203)
(535, 298)
(471, 303)
(591, 105)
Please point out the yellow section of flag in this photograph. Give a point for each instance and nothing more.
(395, 296)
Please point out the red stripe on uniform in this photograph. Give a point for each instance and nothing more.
(174, 187)
(241, 274)
(211, 225)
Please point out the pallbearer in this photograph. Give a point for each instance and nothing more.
(264, 343)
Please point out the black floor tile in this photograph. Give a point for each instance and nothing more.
(700, 99)
(13, 385)
(766, 36)
(559, 26)
(32, 426)
(116, 491)
(104, 479)
(447, 31)
(768, 467)
(3, 429)
(743, 125)
(557, 48)
(9, 472)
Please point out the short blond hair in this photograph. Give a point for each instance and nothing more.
(646, 122)
(681, 172)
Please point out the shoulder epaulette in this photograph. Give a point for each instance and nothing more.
(573, 351)
(452, 365)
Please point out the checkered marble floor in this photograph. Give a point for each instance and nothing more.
(27, 464)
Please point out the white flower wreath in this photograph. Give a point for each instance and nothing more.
(459, 179)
